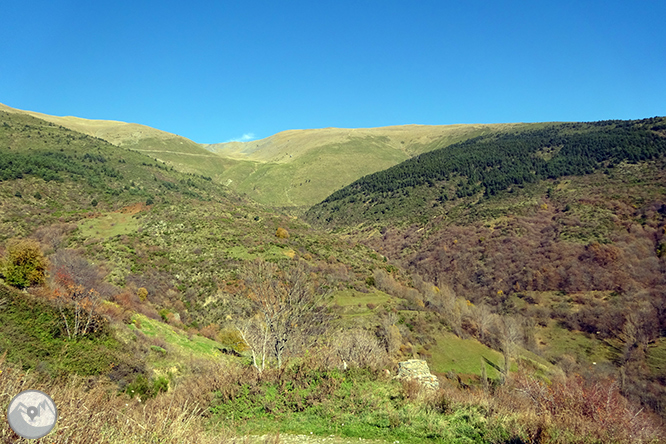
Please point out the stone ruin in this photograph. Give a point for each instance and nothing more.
(417, 369)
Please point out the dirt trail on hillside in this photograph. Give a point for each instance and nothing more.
(176, 152)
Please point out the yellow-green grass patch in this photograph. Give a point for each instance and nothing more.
(656, 357)
(108, 225)
(352, 297)
(465, 356)
(198, 346)
(559, 341)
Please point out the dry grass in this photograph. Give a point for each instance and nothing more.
(566, 410)
(91, 411)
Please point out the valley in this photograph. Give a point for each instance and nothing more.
(264, 287)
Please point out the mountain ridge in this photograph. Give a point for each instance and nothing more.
(115, 132)
(291, 169)
(401, 137)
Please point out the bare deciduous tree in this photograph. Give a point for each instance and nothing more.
(358, 347)
(389, 333)
(255, 334)
(511, 338)
(483, 318)
(288, 304)
(75, 285)
(84, 303)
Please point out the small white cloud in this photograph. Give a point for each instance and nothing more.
(244, 138)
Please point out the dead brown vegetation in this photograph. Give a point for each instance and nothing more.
(91, 411)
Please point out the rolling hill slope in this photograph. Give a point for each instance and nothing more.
(166, 247)
(179, 152)
(296, 168)
(299, 168)
(482, 167)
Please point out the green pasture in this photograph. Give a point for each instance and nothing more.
(108, 225)
(558, 341)
(463, 356)
(196, 346)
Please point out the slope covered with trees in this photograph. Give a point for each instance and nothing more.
(487, 165)
(563, 227)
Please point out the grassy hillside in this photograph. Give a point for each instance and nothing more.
(151, 225)
(176, 151)
(114, 132)
(292, 169)
(50, 173)
(286, 146)
(299, 168)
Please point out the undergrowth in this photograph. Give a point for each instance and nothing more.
(370, 405)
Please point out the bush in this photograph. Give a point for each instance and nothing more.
(210, 331)
(142, 293)
(25, 264)
(145, 388)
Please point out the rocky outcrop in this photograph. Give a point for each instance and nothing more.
(417, 369)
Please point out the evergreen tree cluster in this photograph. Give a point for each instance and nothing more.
(493, 163)
(53, 166)
(30, 147)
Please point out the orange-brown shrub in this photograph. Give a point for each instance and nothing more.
(149, 312)
(592, 409)
(115, 313)
(210, 331)
(127, 300)
(174, 320)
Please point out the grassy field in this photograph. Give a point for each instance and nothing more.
(351, 298)
(108, 225)
(559, 341)
(312, 176)
(464, 356)
(182, 343)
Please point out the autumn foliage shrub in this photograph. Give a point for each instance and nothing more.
(210, 331)
(127, 300)
(115, 313)
(148, 311)
(24, 264)
(587, 409)
(77, 304)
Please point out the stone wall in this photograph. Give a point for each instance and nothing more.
(417, 369)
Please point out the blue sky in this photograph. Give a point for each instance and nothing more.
(220, 70)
